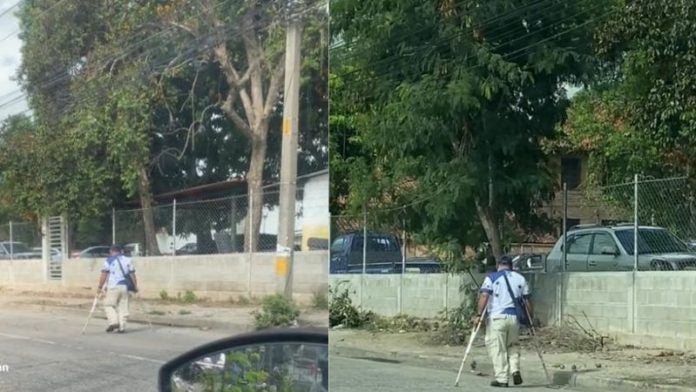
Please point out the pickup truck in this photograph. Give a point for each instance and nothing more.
(383, 251)
(383, 256)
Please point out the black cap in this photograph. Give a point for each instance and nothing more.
(505, 260)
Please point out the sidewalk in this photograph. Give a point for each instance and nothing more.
(626, 369)
(203, 315)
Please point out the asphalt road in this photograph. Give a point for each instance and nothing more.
(44, 351)
(355, 374)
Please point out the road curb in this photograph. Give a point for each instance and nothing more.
(594, 382)
(169, 321)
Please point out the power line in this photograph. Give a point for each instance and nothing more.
(59, 2)
(7, 11)
(189, 54)
(434, 44)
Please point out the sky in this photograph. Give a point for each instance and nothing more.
(10, 57)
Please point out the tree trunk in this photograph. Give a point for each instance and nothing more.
(255, 191)
(151, 247)
(491, 228)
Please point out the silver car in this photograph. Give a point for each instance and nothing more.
(610, 248)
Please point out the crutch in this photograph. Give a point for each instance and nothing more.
(536, 344)
(468, 347)
(94, 306)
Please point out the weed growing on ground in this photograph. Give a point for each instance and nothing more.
(276, 311)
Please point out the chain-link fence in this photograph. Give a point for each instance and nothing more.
(601, 227)
(20, 240)
(217, 226)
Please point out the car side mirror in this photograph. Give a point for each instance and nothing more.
(292, 359)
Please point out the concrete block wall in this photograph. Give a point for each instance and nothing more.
(603, 300)
(426, 295)
(21, 274)
(218, 277)
(648, 309)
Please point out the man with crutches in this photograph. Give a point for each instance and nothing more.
(505, 300)
(119, 276)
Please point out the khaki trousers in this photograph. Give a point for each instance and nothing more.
(502, 341)
(116, 305)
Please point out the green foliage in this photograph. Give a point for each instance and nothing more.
(342, 312)
(276, 311)
(437, 101)
(639, 116)
(245, 372)
(164, 295)
(127, 105)
(189, 297)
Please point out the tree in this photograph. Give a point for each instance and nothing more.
(639, 115)
(252, 67)
(137, 105)
(453, 101)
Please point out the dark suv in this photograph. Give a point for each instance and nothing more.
(383, 252)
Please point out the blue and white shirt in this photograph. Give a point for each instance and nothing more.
(499, 300)
(111, 266)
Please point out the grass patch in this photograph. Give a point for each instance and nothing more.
(156, 313)
(184, 312)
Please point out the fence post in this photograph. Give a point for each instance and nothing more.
(635, 222)
(635, 254)
(113, 225)
(364, 256)
(250, 205)
(174, 227)
(233, 225)
(561, 291)
(11, 241)
(403, 262)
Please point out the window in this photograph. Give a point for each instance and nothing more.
(603, 241)
(357, 243)
(338, 244)
(571, 172)
(381, 244)
(651, 241)
(579, 244)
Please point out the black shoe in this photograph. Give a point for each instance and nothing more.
(517, 378)
(112, 328)
(499, 384)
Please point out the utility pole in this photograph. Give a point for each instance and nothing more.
(288, 167)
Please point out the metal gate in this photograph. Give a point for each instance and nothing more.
(57, 241)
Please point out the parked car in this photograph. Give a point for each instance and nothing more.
(15, 250)
(610, 248)
(189, 249)
(55, 254)
(528, 262)
(95, 252)
(347, 251)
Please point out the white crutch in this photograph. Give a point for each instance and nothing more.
(94, 306)
(468, 347)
